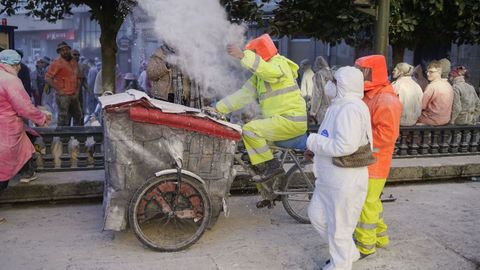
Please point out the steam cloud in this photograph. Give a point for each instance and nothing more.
(199, 31)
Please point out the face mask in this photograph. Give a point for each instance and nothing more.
(331, 89)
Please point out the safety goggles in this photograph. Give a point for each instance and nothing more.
(367, 72)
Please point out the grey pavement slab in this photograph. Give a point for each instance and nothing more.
(435, 161)
(434, 168)
(56, 186)
(89, 184)
(432, 227)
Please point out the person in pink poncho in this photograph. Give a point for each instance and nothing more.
(15, 148)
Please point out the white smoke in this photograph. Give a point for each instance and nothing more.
(199, 32)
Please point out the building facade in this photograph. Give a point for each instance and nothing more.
(38, 38)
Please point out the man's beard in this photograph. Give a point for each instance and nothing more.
(67, 57)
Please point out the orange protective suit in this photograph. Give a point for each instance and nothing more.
(385, 110)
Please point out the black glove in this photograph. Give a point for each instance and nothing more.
(212, 112)
(308, 155)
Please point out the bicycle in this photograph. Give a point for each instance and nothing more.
(172, 209)
(295, 188)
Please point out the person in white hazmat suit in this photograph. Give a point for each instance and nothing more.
(340, 192)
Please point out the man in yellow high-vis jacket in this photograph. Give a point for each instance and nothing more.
(273, 85)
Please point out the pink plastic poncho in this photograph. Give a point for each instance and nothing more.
(15, 147)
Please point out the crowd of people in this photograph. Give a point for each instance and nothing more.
(69, 85)
(434, 94)
(65, 86)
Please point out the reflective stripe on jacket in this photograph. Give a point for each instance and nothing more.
(273, 85)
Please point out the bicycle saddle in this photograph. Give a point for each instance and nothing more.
(297, 143)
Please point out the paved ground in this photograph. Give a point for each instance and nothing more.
(89, 183)
(434, 226)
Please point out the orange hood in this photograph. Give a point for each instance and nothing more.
(378, 67)
(263, 46)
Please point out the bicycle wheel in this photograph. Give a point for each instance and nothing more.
(297, 191)
(169, 215)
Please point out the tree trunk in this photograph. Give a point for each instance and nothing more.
(109, 26)
(398, 53)
(109, 49)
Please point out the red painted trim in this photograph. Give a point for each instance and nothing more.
(183, 121)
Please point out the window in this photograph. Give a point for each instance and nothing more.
(35, 43)
(91, 33)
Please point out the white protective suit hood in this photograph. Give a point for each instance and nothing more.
(349, 83)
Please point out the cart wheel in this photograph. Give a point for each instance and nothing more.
(300, 184)
(169, 215)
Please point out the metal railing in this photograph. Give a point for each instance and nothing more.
(81, 148)
(433, 141)
(69, 148)
(429, 141)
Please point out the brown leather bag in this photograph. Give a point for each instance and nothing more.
(361, 158)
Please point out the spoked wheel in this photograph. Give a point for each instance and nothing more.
(169, 215)
(297, 191)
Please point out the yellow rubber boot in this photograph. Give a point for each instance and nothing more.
(370, 219)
